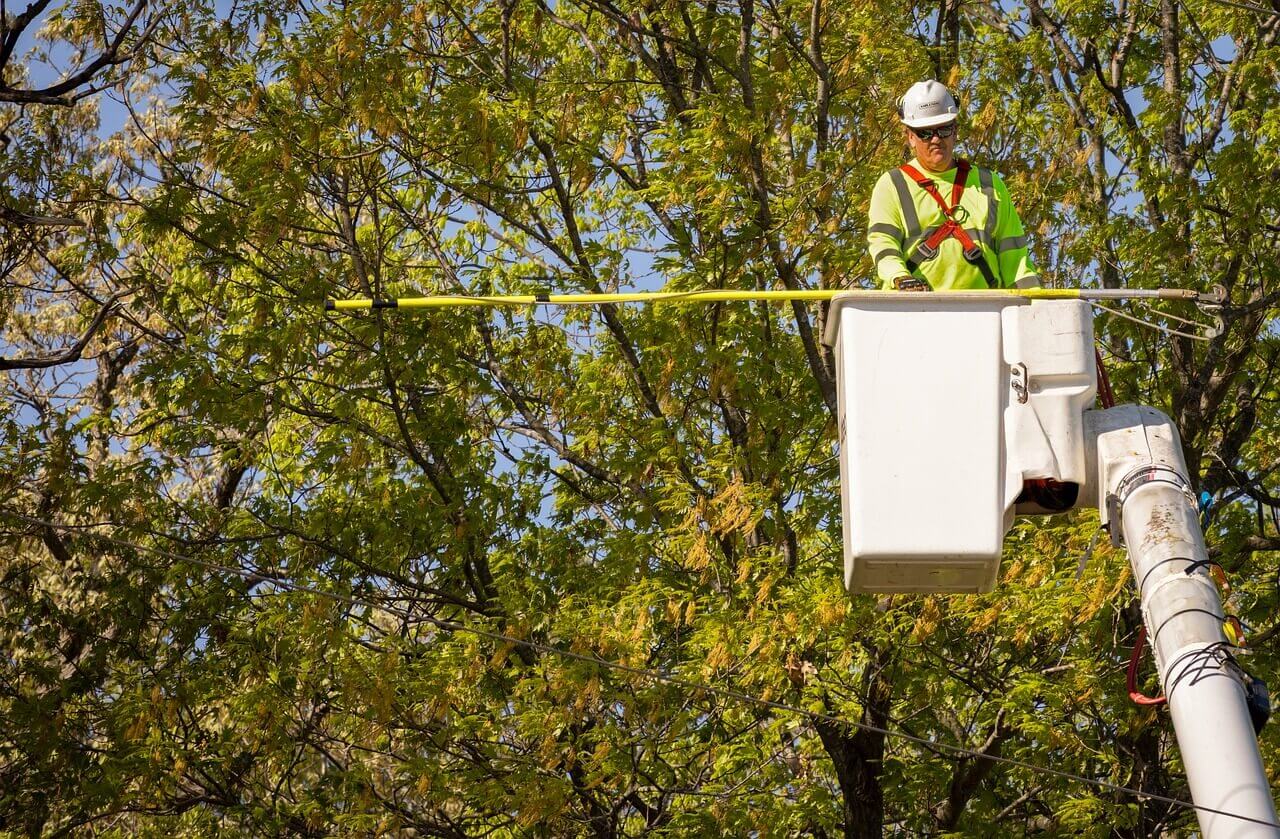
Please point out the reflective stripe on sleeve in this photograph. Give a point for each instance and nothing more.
(981, 237)
(1012, 243)
(887, 229)
(885, 254)
(1029, 281)
(988, 184)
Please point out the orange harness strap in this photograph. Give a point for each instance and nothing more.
(928, 249)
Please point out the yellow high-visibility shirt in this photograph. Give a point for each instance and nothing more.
(903, 215)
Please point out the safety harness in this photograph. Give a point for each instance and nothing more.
(954, 225)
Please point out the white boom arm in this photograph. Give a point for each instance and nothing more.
(1143, 492)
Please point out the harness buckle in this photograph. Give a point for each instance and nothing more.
(926, 252)
(973, 254)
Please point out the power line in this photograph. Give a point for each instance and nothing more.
(1262, 10)
(1152, 325)
(656, 675)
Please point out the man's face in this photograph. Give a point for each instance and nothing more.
(936, 152)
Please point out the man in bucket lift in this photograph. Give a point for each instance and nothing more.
(939, 223)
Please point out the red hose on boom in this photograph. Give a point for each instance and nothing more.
(1106, 396)
(1132, 679)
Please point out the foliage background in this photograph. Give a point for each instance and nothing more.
(309, 510)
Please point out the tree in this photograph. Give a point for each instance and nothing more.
(53, 217)
(309, 629)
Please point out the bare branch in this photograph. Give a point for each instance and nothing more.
(72, 353)
(63, 93)
(21, 219)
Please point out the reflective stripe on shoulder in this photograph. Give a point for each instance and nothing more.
(986, 182)
(908, 203)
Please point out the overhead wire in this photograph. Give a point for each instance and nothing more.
(1262, 10)
(1150, 324)
(1169, 315)
(656, 675)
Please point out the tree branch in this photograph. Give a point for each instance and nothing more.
(72, 353)
(969, 774)
(58, 93)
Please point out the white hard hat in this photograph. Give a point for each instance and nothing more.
(927, 104)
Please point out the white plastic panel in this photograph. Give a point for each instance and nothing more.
(923, 385)
(948, 402)
(1052, 341)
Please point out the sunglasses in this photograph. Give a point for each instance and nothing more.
(943, 131)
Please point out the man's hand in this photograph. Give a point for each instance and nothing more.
(909, 283)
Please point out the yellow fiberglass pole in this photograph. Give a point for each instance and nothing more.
(445, 301)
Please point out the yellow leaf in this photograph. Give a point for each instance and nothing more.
(699, 555)
(986, 619)
(927, 622)
(832, 612)
(766, 588)
(718, 657)
(1035, 576)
